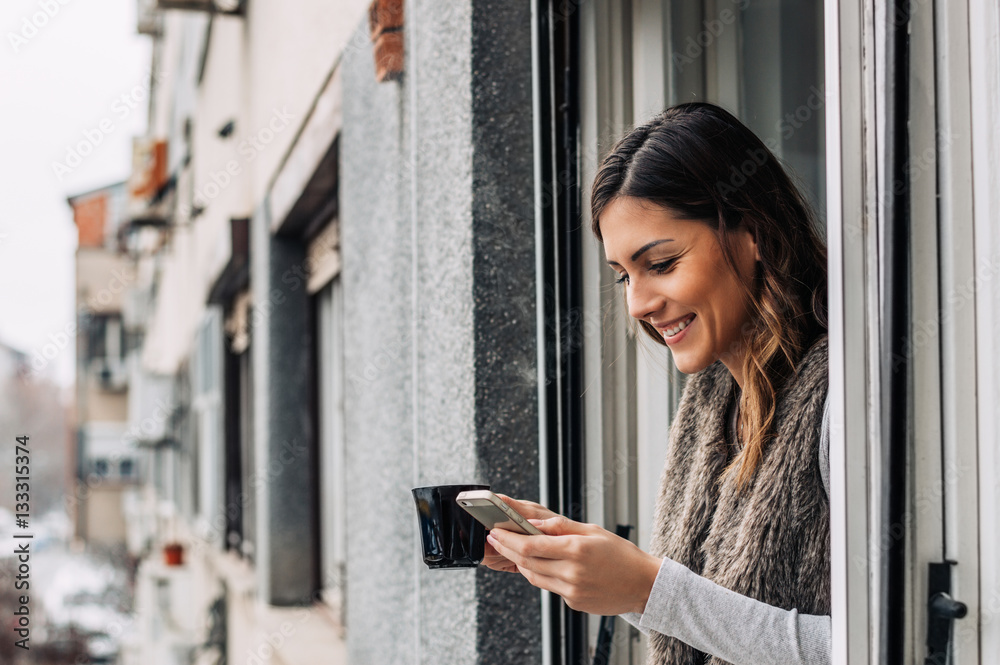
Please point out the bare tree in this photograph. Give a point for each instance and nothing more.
(35, 407)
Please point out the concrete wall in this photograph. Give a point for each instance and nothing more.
(376, 236)
(102, 278)
(221, 166)
(103, 405)
(438, 243)
(291, 48)
(105, 519)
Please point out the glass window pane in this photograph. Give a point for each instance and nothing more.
(783, 95)
(763, 61)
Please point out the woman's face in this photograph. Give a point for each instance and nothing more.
(677, 279)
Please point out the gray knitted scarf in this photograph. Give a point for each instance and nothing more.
(770, 541)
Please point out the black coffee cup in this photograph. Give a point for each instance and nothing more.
(451, 537)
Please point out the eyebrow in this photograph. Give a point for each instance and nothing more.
(642, 250)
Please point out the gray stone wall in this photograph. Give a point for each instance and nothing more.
(377, 254)
(438, 280)
(439, 147)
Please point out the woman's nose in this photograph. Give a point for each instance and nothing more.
(643, 301)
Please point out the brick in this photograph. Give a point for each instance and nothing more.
(388, 56)
(385, 16)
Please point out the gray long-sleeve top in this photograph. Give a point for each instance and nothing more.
(729, 625)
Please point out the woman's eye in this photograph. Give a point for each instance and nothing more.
(658, 268)
(664, 266)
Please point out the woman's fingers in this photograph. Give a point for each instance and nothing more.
(501, 564)
(496, 561)
(542, 581)
(556, 557)
(519, 548)
(592, 569)
(545, 519)
(555, 583)
(554, 544)
(557, 525)
(528, 509)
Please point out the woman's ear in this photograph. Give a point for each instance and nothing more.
(750, 244)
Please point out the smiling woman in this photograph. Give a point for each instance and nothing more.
(698, 164)
(683, 285)
(720, 260)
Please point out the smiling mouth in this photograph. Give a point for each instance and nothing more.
(676, 329)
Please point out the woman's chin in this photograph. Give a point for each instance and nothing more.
(687, 363)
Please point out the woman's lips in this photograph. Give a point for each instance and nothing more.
(673, 332)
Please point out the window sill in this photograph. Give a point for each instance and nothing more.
(301, 635)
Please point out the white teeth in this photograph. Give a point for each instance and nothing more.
(670, 332)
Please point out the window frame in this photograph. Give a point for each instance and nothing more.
(328, 305)
(631, 387)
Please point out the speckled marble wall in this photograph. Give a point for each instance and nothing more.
(439, 282)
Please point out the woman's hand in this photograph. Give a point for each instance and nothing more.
(594, 570)
(528, 509)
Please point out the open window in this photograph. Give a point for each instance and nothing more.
(762, 61)
(869, 107)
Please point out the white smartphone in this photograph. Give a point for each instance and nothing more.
(494, 513)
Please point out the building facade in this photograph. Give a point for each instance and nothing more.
(106, 468)
(365, 266)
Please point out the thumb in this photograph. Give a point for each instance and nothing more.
(559, 526)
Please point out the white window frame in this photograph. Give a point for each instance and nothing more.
(954, 149)
(853, 312)
(332, 450)
(958, 267)
(984, 45)
(206, 404)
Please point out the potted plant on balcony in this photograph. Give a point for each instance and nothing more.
(173, 554)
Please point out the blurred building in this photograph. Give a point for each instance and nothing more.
(359, 236)
(105, 462)
(13, 362)
(14, 366)
(32, 405)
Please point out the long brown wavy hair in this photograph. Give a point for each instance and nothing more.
(701, 163)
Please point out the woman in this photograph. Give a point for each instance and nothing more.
(721, 262)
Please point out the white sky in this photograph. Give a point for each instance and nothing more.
(62, 81)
